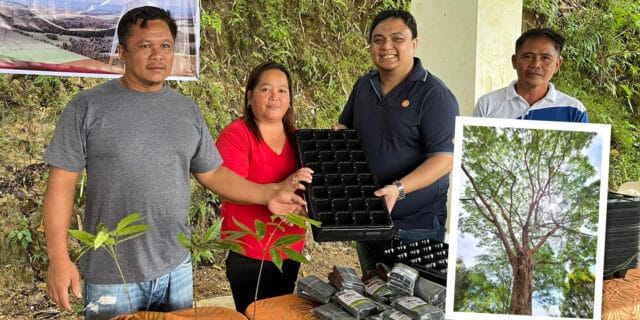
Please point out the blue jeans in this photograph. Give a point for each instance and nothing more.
(173, 291)
(372, 252)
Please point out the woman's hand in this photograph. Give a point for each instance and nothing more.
(295, 181)
(284, 202)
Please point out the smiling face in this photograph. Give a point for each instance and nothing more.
(392, 46)
(270, 98)
(148, 56)
(536, 62)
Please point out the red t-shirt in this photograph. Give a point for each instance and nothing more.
(257, 162)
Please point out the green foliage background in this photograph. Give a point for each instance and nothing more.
(601, 63)
(324, 45)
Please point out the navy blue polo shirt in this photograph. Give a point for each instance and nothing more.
(399, 131)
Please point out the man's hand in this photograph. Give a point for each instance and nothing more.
(61, 276)
(390, 194)
(284, 202)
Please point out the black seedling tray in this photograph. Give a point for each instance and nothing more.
(427, 256)
(341, 194)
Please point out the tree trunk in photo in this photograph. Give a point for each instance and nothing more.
(522, 290)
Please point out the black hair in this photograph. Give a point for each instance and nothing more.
(408, 19)
(252, 82)
(130, 19)
(555, 37)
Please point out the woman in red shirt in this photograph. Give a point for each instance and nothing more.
(259, 147)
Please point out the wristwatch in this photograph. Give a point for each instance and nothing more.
(400, 187)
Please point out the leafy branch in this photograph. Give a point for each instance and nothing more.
(110, 239)
(282, 244)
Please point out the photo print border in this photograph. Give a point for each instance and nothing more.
(484, 144)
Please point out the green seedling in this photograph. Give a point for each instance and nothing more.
(109, 240)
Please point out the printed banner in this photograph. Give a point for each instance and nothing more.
(78, 37)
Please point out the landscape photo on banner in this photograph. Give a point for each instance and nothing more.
(79, 37)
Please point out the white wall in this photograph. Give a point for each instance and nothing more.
(468, 44)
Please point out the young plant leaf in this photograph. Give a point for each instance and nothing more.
(141, 228)
(295, 256)
(100, 239)
(184, 240)
(242, 226)
(276, 258)
(85, 237)
(261, 229)
(127, 221)
(214, 231)
(288, 240)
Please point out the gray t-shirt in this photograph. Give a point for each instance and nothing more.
(138, 150)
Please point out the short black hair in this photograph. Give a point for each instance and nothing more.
(408, 19)
(555, 37)
(146, 13)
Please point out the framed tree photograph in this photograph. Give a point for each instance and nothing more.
(528, 214)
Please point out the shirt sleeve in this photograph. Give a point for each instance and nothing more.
(582, 114)
(206, 157)
(479, 109)
(346, 117)
(67, 148)
(438, 122)
(235, 148)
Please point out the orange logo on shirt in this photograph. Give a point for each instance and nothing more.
(405, 103)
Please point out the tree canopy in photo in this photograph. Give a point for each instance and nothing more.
(531, 199)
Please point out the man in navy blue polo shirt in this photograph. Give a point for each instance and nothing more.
(406, 117)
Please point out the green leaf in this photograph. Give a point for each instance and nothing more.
(214, 231)
(242, 226)
(297, 220)
(237, 248)
(233, 235)
(276, 258)
(101, 237)
(83, 236)
(295, 256)
(141, 228)
(184, 240)
(288, 240)
(261, 229)
(110, 242)
(127, 221)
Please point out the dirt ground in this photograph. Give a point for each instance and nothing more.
(31, 302)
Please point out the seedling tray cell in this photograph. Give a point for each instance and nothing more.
(341, 194)
(427, 256)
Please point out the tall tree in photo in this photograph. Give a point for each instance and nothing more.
(534, 194)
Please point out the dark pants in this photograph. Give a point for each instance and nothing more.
(242, 273)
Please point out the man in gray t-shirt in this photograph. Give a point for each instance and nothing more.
(139, 141)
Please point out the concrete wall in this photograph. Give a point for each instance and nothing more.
(468, 44)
